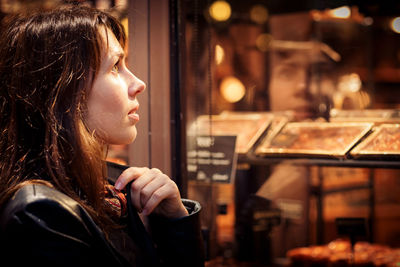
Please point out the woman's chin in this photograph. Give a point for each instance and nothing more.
(123, 138)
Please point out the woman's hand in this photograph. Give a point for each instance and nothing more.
(152, 192)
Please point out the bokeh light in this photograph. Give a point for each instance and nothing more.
(350, 83)
(263, 42)
(220, 11)
(343, 12)
(219, 54)
(259, 14)
(395, 25)
(232, 89)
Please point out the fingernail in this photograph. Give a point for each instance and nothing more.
(118, 185)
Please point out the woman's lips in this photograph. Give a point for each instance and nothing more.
(133, 115)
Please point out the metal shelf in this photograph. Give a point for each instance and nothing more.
(334, 162)
(252, 159)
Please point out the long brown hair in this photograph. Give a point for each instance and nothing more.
(48, 60)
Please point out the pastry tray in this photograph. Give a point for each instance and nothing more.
(314, 139)
(383, 142)
(248, 127)
(377, 116)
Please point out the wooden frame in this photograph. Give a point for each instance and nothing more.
(149, 59)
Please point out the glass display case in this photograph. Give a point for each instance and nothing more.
(326, 72)
(315, 139)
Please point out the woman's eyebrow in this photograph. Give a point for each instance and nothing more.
(119, 54)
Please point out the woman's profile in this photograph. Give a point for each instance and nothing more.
(65, 95)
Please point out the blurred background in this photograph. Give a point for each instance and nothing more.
(249, 69)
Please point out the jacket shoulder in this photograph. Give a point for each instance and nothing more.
(44, 207)
(34, 195)
(52, 229)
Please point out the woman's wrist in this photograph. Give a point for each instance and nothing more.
(180, 213)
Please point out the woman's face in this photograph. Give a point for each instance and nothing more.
(112, 104)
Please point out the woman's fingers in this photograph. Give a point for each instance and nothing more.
(152, 191)
(157, 191)
(149, 188)
(129, 175)
(161, 196)
(141, 187)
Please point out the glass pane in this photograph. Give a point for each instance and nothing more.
(304, 61)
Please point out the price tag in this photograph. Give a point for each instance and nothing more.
(212, 158)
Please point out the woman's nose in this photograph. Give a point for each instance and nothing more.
(301, 86)
(136, 86)
(302, 81)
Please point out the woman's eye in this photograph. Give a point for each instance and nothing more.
(115, 68)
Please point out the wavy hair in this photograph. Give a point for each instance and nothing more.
(48, 61)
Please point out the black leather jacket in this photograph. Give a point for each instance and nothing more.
(41, 226)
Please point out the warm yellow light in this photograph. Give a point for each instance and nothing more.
(232, 89)
(220, 10)
(259, 14)
(365, 99)
(343, 12)
(263, 41)
(125, 23)
(219, 54)
(354, 82)
(395, 25)
(350, 83)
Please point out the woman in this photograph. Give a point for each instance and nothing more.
(65, 94)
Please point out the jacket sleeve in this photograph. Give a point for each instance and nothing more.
(40, 229)
(179, 241)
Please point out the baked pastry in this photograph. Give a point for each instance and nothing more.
(339, 253)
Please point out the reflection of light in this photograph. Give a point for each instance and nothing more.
(365, 99)
(262, 41)
(219, 54)
(343, 12)
(259, 14)
(126, 25)
(368, 21)
(350, 83)
(395, 24)
(232, 89)
(220, 10)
